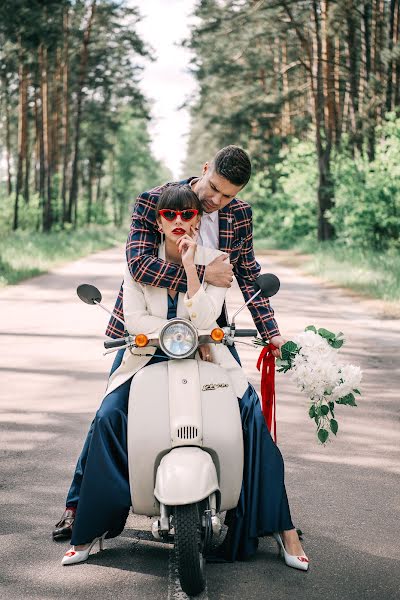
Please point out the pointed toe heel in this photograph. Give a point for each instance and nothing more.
(297, 562)
(73, 556)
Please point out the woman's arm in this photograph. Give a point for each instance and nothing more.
(136, 315)
(204, 304)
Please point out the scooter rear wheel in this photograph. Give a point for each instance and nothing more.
(189, 550)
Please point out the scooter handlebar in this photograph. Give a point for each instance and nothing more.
(115, 343)
(246, 333)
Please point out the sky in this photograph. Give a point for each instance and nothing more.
(166, 81)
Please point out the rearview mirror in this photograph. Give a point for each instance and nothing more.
(88, 293)
(268, 283)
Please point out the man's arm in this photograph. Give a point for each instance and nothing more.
(141, 250)
(246, 271)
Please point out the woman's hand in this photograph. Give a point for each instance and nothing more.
(187, 248)
(205, 352)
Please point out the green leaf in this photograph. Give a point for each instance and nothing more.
(288, 350)
(311, 412)
(323, 435)
(349, 399)
(336, 343)
(357, 392)
(282, 363)
(328, 335)
(290, 347)
(311, 328)
(334, 426)
(318, 411)
(324, 409)
(331, 408)
(316, 419)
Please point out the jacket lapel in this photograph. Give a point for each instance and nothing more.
(225, 229)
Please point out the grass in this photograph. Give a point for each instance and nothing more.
(24, 254)
(375, 275)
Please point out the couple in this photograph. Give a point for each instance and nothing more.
(163, 280)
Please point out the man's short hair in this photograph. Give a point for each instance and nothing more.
(234, 164)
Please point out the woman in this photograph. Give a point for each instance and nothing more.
(105, 501)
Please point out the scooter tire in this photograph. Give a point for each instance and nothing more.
(188, 549)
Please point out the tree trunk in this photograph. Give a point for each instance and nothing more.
(325, 184)
(65, 116)
(354, 78)
(391, 42)
(22, 125)
(90, 192)
(329, 61)
(73, 197)
(8, 132)
(397, 68)
(47, 208)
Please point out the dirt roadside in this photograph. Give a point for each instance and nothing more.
(290, 258)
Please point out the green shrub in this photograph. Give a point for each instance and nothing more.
(367, 194)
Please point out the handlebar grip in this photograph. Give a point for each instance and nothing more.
(115, 343)
(246, 333)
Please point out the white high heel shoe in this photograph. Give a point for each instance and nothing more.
(297, 562)
(76, 556)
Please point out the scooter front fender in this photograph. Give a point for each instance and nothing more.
(185, 475)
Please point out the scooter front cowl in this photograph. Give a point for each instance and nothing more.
(185, 475)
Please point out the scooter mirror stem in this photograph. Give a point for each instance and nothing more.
(232, 325)
(109, 312)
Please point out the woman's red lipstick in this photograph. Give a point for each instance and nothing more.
(178, 231)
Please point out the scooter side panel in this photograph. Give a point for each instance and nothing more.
(149, 435)
(222, 430)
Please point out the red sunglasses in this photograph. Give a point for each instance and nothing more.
(186, 215)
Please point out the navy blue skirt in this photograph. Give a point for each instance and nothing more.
(104, 499)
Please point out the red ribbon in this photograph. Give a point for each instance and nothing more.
(266, 364)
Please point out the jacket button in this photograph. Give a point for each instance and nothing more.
(194, 315)
(189, 303)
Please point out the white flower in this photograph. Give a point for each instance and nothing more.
(317, 372)
(350, 379)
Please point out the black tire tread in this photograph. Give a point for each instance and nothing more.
(191, 576)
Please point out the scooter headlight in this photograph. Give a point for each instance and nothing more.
(178, 338)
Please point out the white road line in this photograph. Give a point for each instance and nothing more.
(174, 587)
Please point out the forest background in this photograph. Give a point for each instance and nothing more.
(311, 88)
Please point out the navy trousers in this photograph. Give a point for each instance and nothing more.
(101, 481)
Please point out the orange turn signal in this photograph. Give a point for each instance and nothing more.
(141, 340)
(217, 334)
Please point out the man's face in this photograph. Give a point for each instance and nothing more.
(214, 191)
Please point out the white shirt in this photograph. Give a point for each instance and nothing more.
(209, 228)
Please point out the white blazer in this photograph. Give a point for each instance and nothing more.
(146, 309)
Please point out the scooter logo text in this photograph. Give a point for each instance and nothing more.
(213, 386)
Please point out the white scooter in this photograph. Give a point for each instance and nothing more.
(185, 443)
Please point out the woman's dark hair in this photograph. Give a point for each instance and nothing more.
(178, 197)
(233, 163)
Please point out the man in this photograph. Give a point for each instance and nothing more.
(227, 225)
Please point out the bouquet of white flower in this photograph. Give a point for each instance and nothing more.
(312, 359)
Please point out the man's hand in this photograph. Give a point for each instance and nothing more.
(219, 272)
(205, 352)
(277, 341)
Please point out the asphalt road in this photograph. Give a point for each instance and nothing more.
(345, 496)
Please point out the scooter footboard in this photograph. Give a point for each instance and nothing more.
(185, 476)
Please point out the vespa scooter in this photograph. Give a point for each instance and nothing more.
(185, 443)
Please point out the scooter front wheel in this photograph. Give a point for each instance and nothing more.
(189, 550)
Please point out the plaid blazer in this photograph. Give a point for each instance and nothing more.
(235, 238)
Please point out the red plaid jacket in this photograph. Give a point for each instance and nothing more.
(235, 238)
